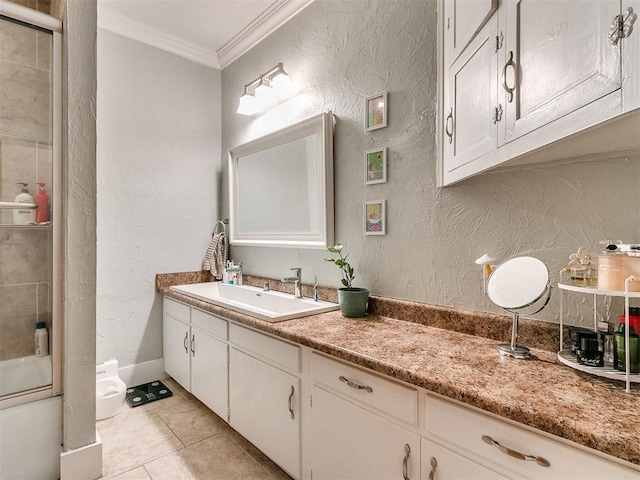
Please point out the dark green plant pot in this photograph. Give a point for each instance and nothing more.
(353, 303)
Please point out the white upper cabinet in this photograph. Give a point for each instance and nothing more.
(471, 100)
(559, 59)
(630, 55)
(540, 80)
(463, 19)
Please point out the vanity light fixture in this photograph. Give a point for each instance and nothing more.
(266, 90)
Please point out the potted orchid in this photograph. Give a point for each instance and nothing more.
(353, 301)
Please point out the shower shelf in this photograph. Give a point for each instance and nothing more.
(26, 227)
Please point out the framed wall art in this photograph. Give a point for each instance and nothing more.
(375, 111)
(375, 165)
(374, 218)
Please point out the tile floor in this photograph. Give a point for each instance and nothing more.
(178, 438)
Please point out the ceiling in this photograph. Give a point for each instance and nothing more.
(212, 32)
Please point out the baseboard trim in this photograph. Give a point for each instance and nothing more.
(84, 463)
(143, 372)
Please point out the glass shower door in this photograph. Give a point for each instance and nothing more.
(26, 233)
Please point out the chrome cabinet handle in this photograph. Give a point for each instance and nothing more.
(434, 465)
(405, 462)
(193, 345)
(446, 125)
(355, 385)
(509, 90)
(515, 454)
(291, 403)
(184, 342)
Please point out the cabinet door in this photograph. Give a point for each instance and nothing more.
(438, 463)
(348, 442)
(471, 99)
(264, 405)
(175, 344)
(209, 371)
(630, 56)
(462, 20)
(558, 59)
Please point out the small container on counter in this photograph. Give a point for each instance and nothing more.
(617, 262)
(589, 353)
(576, 334)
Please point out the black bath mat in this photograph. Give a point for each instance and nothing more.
(147, 392)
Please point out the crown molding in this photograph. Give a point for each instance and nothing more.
(270, 20)
(143, 33)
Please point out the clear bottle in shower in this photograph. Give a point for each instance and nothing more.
(42, 340)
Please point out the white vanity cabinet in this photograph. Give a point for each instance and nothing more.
(439, 463)
(264, 395)
(535, 74)
(513, 451)
(349, 440)
(195, 353)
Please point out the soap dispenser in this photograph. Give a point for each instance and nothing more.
(27, 215)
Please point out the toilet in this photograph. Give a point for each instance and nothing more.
(110, 390)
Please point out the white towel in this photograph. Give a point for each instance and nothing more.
(215, 258)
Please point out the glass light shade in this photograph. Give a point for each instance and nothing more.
(248, 105)
(281, 84)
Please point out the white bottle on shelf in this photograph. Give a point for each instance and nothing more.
(25, 216)
(42, 340)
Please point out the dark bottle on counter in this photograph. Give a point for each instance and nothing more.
(590, 353)
(634, 350)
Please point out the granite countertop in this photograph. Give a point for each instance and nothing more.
(538, 392)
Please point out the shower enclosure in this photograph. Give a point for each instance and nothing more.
(30, 65)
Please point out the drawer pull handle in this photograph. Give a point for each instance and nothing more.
(184, 342)
(291, 403)
(193, 345)
(434, 465)
(355, 385)
(448, 131)
(515, 454)
(405, 462)
(509, 90)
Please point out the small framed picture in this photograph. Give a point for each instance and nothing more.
(375, 164)
(375, 112)
(374, 218)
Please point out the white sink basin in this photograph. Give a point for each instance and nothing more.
(270, 306)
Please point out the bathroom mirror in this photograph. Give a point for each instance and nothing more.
(516, 284)
(281, 187)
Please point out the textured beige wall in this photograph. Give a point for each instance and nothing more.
(79, 338)
(340, 53)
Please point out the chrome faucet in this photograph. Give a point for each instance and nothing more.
(297, 281)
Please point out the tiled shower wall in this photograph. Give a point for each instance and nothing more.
(25, 156)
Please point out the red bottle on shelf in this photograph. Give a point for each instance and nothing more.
(42, 199)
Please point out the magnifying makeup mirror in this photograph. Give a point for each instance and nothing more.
(516, 285)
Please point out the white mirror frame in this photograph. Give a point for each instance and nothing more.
(518, 283)
(321, 124)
